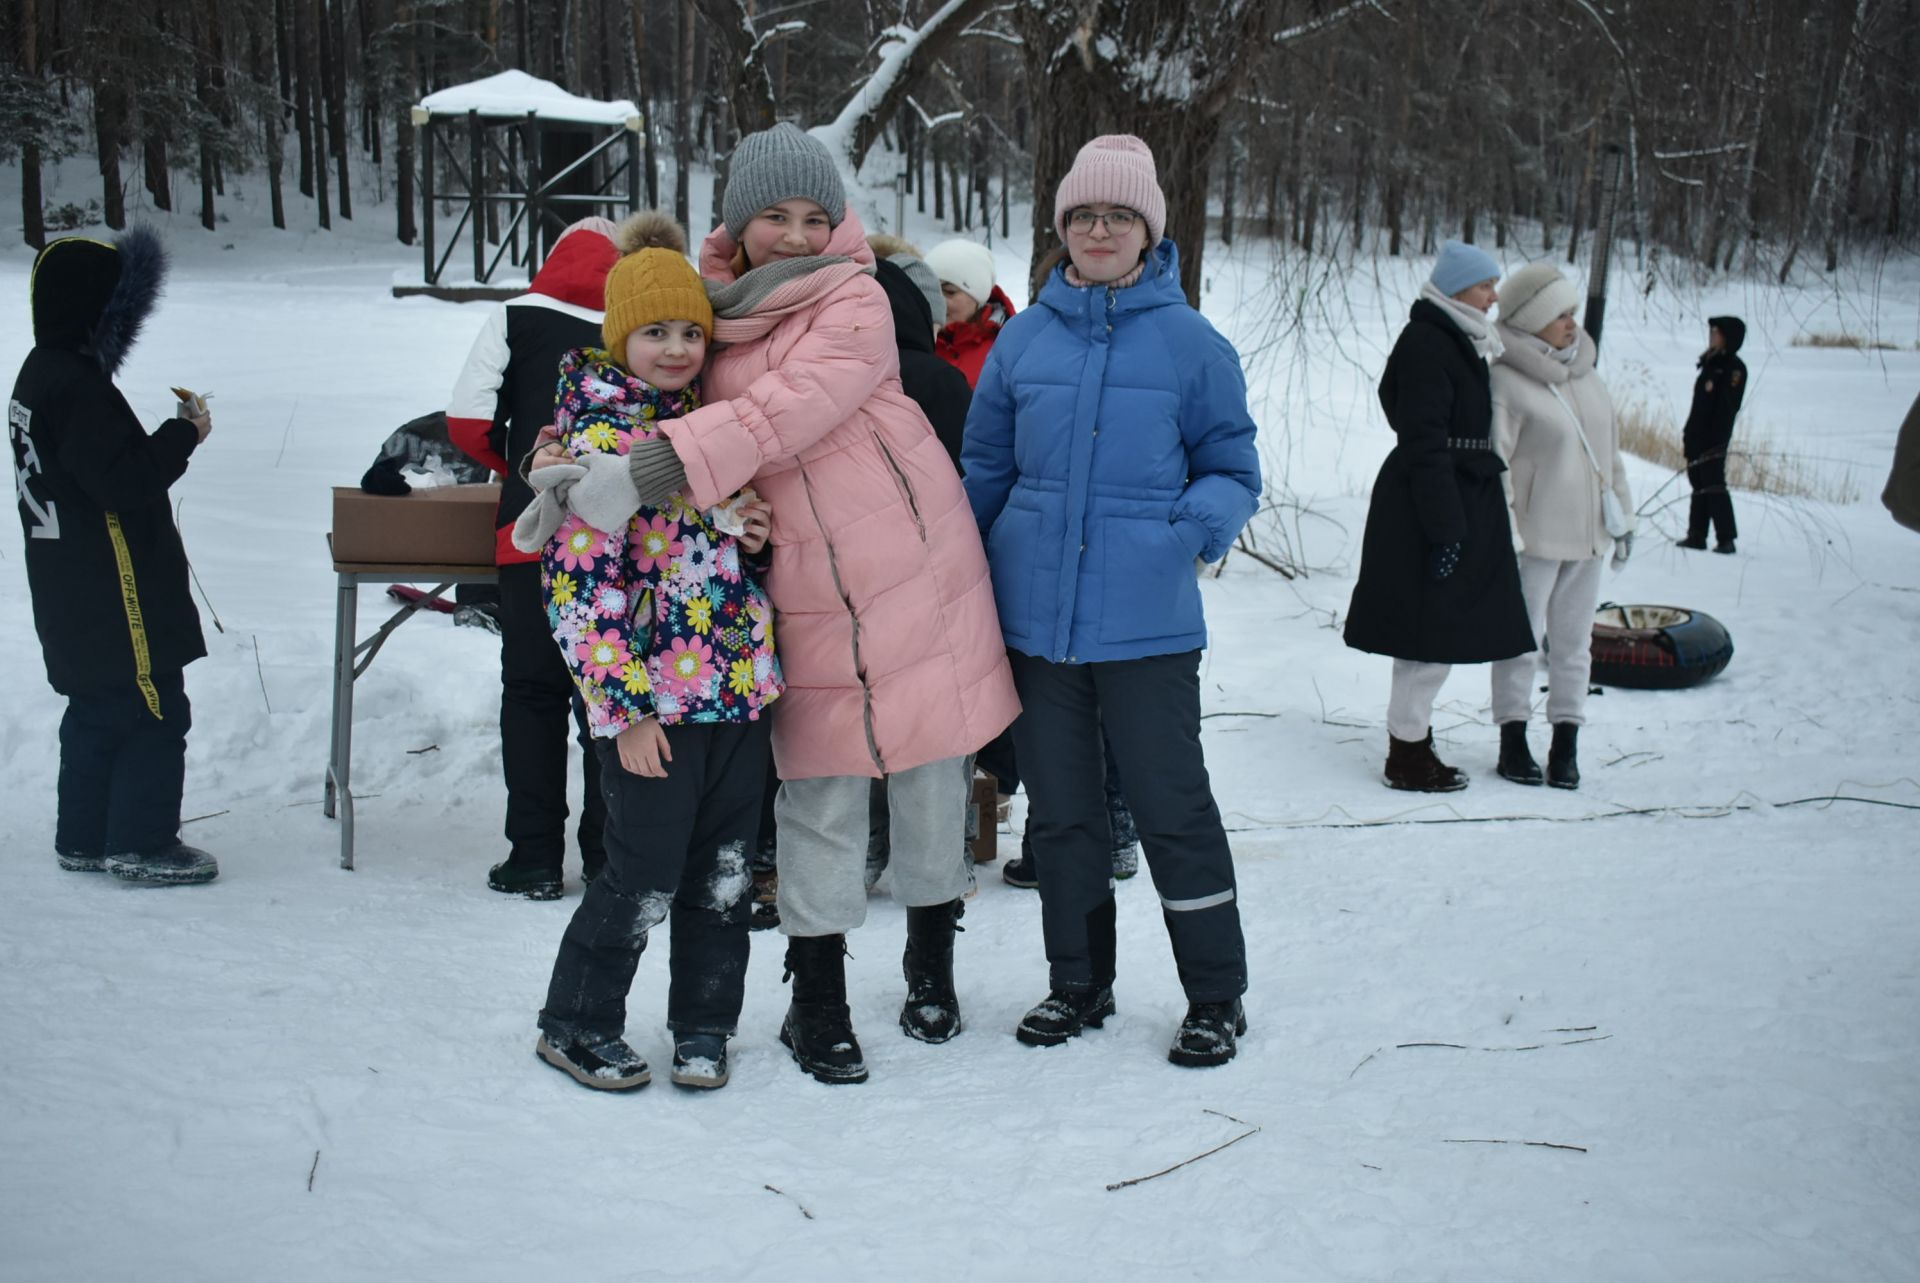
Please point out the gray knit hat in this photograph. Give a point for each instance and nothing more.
(779, 164)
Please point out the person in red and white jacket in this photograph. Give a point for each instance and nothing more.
(503, 397)
(976, 307)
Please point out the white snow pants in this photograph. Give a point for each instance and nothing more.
(1561, 596)
(823, 844)
(1410, 706)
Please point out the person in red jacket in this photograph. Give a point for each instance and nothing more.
(976, 307)
(504, 396)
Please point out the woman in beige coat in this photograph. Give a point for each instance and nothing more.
(1553, 425)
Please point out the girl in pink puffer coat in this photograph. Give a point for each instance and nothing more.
(889, 638)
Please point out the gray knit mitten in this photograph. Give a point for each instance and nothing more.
(539, 519)
(605, 498)
(656, 470)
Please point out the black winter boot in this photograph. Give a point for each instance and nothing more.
(1516, 760)
(1413, 765)
(1563, 766)
(1207, 1035)
(818, 1029)
(1063, 1013)
(700, 1061)
(176, 865)
(932, 1010)
(536, 880)
(1022, 872)
(600, 1061)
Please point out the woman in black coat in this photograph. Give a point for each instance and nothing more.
(1439, 584)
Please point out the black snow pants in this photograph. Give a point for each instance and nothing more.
(1712, 501)
(1150, 710)
(676, 847)
(122, 768)
(536, 699)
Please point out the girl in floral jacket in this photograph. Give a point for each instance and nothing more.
(669, 637)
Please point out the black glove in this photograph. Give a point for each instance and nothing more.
(1442, 560)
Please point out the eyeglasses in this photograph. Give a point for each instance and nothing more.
(1118, 222)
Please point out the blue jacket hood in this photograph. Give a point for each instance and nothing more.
(1158, 286)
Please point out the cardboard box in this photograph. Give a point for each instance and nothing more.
(438, 526)
(983, 818)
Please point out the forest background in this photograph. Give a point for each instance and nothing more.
(1752, 135)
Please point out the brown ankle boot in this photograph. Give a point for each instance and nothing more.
(1412, 765)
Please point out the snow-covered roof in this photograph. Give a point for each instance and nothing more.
(515, 93)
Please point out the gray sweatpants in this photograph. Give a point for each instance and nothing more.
(823, 844)
(1561, 596)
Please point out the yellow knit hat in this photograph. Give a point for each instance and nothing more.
(652, 281)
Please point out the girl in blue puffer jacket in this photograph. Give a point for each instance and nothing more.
(1109, 444)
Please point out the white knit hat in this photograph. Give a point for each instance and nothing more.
(1532, 297)
(965, 265)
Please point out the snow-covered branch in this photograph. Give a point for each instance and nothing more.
(1697, 152)
(1325, 20)
(988, 33)
(779, 32)
(931, 123)
(907, 54)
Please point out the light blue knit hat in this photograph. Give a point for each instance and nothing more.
(1461, 265)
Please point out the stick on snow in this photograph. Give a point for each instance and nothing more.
(1252, 1129)
(773, 1189)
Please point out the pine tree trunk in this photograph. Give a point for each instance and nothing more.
(637, 87)
(333, 51)
(683, 119)
(33, 219)
(315, 68)
(298, 58)
(1182, 146)
(109, 129)
(153, 171)
(203, 93)
(1229, 186)
(406, 229)
(372, 86)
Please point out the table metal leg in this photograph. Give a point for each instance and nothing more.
(342, 650)
(340, 767)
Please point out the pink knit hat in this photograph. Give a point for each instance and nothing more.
(1117, 169)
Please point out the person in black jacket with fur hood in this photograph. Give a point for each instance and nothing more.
(1718, 391)
(105, 565)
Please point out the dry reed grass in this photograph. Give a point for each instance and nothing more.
(1843, 340)
(1751, 465)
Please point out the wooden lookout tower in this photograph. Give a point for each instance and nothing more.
(519, 159)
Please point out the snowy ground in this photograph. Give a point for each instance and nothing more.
(1710, 1005)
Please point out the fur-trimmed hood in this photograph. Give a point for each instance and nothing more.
(94, 296)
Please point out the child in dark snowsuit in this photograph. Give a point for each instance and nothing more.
(503, 398)
(1717, 394)
(670, 640)
(105, 565)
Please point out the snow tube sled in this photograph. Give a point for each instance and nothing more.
(1657, 647)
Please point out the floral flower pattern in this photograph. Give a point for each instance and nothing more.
(663, 618)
